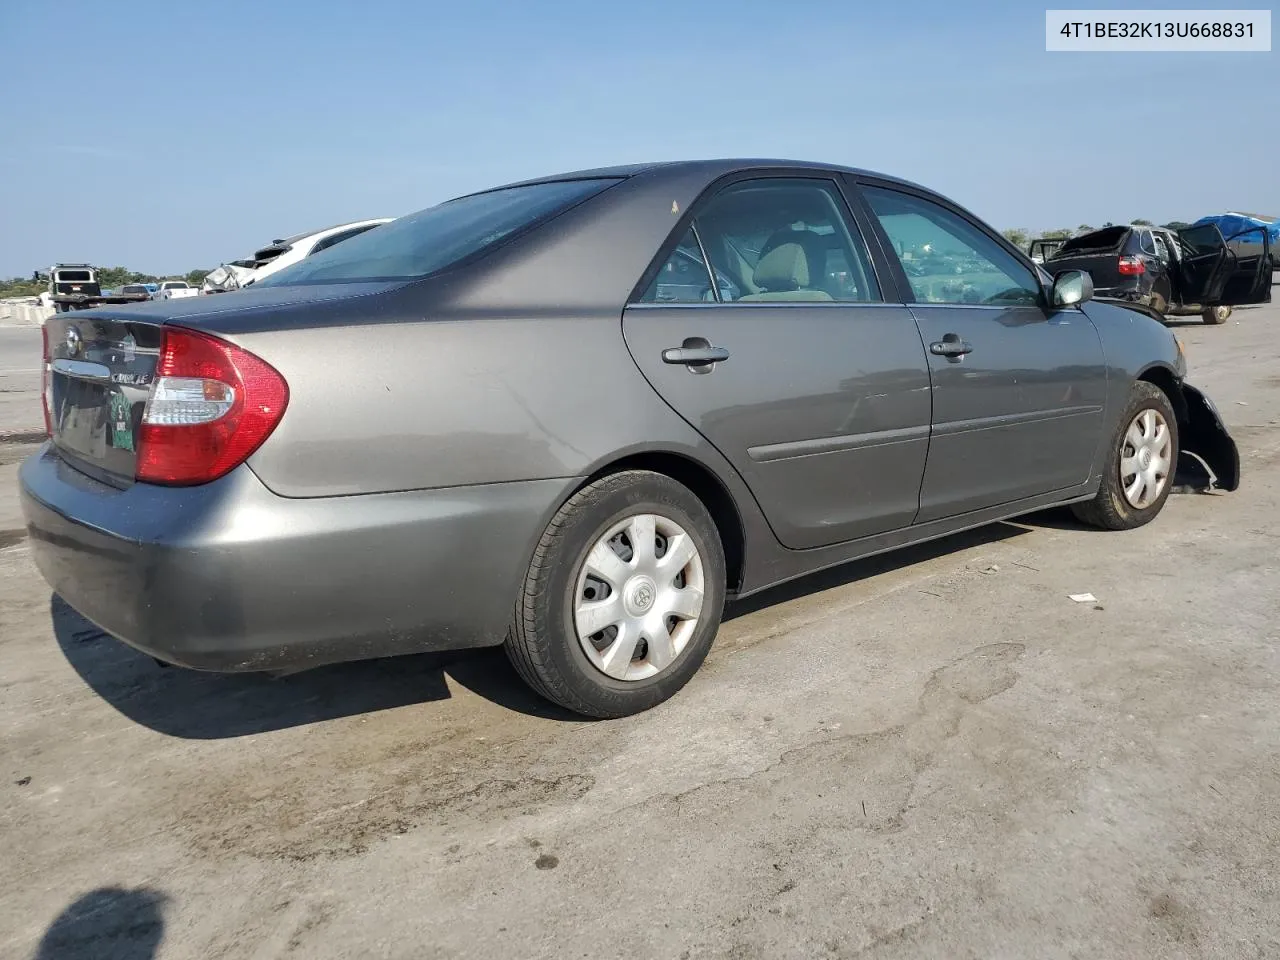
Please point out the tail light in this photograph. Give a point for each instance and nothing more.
(1132, 266)
(45, 380)
(212, 404)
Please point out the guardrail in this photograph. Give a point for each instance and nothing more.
(23, 313)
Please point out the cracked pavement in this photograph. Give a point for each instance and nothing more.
(931, 754)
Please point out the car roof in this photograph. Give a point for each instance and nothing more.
(712, 168)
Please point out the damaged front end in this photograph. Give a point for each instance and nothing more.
(1208, 458)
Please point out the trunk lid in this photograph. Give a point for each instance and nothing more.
(98, 379)
(102, 363)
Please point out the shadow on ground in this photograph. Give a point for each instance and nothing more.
(197, 705)
(207, 706)
(110, 923)
(874, 566)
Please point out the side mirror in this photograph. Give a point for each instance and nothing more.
(1071, 287)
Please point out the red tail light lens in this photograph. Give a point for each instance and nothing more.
(45, 380)
(212, 404)
(1132, 266)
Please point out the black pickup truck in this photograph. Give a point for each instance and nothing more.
(1187, 271)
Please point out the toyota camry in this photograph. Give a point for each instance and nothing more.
(574, 416)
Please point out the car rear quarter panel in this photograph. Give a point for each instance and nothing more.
(421, 405)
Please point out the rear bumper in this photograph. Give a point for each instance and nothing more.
(230, 577)
(1132, 290)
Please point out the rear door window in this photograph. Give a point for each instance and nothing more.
(684, 277)
(782, 239)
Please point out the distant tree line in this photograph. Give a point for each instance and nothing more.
(110, 278)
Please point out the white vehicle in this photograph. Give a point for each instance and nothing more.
(175, 290)
(283, 253)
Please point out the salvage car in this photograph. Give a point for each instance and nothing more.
(281, 253)
(520, 418)
(1172, 272)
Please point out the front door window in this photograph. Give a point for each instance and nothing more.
(946, 259)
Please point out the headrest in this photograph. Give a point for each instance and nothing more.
(785, 267)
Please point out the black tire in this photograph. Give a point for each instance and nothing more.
(543, 642)
(1215, 315)
(1109, 509)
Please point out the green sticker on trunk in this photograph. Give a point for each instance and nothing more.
(121, 425)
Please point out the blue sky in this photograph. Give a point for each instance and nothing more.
(167, 136)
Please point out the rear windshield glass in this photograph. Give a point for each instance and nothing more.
(432, 239)
(1107, 239)
(74, 276)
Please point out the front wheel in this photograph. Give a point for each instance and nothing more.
(1139, 472)
(623, 597)
(1215, 315)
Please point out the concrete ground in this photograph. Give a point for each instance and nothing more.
(20, 350)
(932, 755)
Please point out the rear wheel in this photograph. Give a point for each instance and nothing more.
(623, 597)
(1139, 472)
(1215, 315)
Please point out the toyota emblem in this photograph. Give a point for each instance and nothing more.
(73, 341)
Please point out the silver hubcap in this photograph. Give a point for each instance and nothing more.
(1145, 458)
(639, 597)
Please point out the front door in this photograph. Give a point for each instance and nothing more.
(1018, 389)
(791, 364)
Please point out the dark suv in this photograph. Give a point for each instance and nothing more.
(1172, 272)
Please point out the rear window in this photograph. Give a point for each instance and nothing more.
(1107, 239)
(74, 276)
(432, 239)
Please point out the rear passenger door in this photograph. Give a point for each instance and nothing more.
(1018, 388)
(764, 324)
(1230, 271)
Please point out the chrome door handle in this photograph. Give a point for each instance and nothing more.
(694, 355)
(950, 346)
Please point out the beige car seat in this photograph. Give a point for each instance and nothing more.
(791, 268)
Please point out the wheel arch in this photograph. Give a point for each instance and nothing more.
(1170, 385)
(705, 484)
(1201, 431)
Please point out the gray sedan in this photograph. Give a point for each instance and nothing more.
(575, 415)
